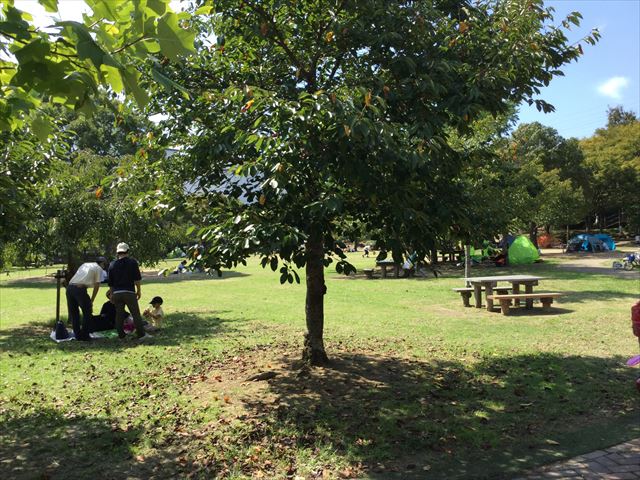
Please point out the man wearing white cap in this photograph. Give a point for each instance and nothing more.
(87, 276)
(124, 284)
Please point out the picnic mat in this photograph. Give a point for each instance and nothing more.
(95, 335)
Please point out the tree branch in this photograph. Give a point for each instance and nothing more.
(277, 35)
(127, 45)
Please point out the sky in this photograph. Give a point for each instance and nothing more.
(607, 75)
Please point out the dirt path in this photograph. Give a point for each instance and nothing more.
(598, 263)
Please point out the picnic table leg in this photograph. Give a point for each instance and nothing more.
(546, 303)
(384, 271)
(516, 291)
(477, 293)
(489, 289)
(504, 306)
(465, 298)
(396, 271)
(528, 288)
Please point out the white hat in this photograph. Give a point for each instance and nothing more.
(122, 248)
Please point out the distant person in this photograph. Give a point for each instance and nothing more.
(154, 315)
(366, 251)
(124, 284)
(181, 268)
(87, 276)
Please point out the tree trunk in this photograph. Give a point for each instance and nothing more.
(533, 234)
(314, 352)
(72, 266)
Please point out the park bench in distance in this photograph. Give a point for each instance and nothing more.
(546, 298)
(466, 293)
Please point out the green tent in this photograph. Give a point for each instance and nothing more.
(522, 251)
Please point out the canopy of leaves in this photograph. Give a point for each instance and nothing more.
(65, 62)
(308, 112)
(550, 177)
(89, 198)
(613, 158)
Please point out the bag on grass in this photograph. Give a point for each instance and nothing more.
(61, 331)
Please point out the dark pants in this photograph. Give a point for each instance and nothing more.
(128, 299)
(78, 299)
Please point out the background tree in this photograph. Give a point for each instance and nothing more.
(63, 65)
(612, 156)
(90, 199)
(489, 179)
(619, 116)
(308, 112)
(548, 167)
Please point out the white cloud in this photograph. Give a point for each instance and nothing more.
(611, 88)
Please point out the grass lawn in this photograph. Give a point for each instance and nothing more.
(419, 386)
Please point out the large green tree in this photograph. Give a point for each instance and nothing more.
(64, 64)
(304, 113)
(89, 199)
(612, 156)
(550, 178)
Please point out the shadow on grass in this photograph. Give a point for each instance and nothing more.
(47, 444)
(595, 295)
(400, 418)
(179, 329)
(192, 277)
(50, 283)
(538, 311)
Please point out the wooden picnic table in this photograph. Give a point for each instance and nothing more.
(489, 283)
(384, 264)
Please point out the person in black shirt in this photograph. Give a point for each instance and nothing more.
(124, 276)
(107, 318)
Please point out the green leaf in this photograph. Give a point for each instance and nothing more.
(41, 127)
(86, 47)
(113, 77)
(174, 40)
(157, 6)
(49, 5)
(131, 80)
(36, 51)
(169, 84)
(15, 23)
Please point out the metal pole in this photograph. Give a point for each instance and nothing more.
(58, 278)
(467, 261)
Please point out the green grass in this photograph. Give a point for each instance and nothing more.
(419, 387)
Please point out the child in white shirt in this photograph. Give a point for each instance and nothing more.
(154, 315)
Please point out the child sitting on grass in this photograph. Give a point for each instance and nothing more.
(154, 315)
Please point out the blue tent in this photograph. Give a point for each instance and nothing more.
(586, 243)
(607, 240)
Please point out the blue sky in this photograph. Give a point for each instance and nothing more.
(608, 74)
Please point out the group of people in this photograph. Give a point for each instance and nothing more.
(123, 278)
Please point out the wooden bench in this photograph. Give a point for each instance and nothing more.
(368, 272)
(546, 298)
(466, 293)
